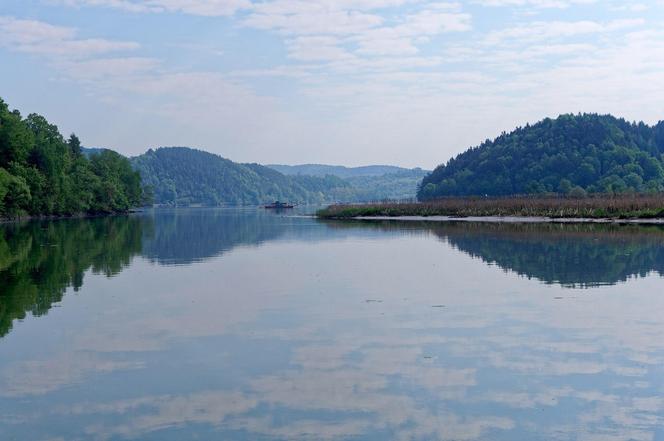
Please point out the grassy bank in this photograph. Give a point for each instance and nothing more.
(595, 207)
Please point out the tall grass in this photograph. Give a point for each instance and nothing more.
(596, 206)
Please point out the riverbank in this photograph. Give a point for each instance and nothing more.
(512, 219)
(53, 217)
(539, 209)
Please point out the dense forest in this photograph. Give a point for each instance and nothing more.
(573, 154)
(339, 170)
(367, 183)
(181, 176)
(401, 185)
(43, 174)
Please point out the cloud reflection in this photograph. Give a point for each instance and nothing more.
(279, 342)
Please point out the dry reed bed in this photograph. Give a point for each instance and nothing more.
(595, 207)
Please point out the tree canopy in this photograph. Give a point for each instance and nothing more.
(573, 154)
(340, 171)
(182, 176)
(42, 173)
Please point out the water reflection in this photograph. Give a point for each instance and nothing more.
(577, 255)
(341, 331)
(181, 237)
(40, 260)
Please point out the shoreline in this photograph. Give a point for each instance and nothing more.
(20, 219)
(507, 219)
(628, 208)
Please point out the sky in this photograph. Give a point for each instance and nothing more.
(352, 82)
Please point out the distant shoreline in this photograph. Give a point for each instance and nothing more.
(509, 219)
(629, 208)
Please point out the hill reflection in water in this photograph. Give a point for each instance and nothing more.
(39, 261)
(244, 325)
(182, 237)
(571, 255)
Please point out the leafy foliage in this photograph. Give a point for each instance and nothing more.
(573, 154)
(41, 173)
(181, 176)
(185, 176)
(392, 186)
(368, 183)
(340, 171)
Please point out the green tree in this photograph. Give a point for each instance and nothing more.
(42, 174)
(598, 153)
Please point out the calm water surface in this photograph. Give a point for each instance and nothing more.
(246, 325)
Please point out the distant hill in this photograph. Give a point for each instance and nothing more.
(368, 183)
(337, 170)
(393, 186)
(87, 151)
(577, 154)
(185, 176)
(182, 176)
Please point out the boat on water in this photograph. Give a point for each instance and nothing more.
(277, 205)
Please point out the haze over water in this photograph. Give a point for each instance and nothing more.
(245, 325)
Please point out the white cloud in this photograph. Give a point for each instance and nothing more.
(356, 25)
(547, 30)
(211, 8)
(100, 68)
(402, 39)
(41, 38)
(315, 48)
(335, 22)
(353, 68)
(631, 7)
(558, 4)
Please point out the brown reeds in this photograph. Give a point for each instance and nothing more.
(595, 207)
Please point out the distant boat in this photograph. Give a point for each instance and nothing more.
(276, 205)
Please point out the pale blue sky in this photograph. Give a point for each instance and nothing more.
(405, 82)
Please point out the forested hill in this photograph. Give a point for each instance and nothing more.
(338, 170)
(41, 173)
(184, 176)
(367, 183)
(575, 154)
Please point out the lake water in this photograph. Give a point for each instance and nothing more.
(248, 325)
